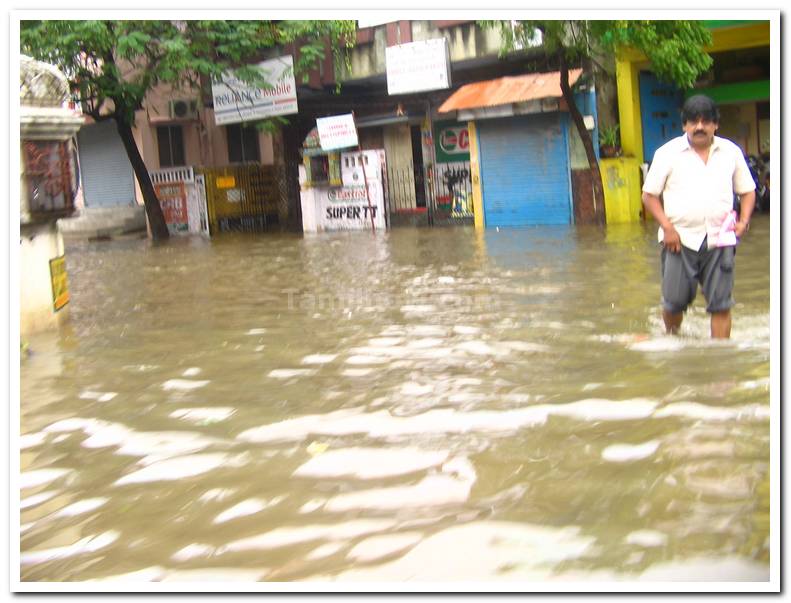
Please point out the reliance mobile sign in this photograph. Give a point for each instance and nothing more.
(236, 101)
(418, 66)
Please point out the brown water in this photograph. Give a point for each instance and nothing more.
(433, 404)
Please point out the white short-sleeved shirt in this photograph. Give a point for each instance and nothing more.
(698, 196)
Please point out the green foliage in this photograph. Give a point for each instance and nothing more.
(121, 61)
(675, 49)
(608, 136)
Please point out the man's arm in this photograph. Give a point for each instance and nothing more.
(747, 201)
(671, 240)
(744, 186)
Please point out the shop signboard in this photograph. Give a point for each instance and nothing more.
(226, 181)
(347, 208)
(236, 101)
(337, 132)
(452, 141)
(418, 66)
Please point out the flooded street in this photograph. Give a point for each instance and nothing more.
(419, 404)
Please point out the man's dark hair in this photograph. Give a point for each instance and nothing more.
(700, 106)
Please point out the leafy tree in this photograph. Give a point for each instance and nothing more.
(675, 50)
(113, 65)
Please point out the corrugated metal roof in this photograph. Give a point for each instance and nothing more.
(508, 90)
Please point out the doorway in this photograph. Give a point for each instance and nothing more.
(417, 165)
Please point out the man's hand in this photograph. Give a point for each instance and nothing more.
(671, 240)
(741, 228)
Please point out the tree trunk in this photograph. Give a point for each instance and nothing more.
(585, 136)
(156, 219)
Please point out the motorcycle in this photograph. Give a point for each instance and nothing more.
(759, 170)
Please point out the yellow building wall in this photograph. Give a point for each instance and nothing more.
(475, 176)
(622, 197)
(626, 74)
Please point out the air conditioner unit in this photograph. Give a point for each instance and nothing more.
(183, 109)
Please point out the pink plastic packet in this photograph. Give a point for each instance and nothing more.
(727, 234)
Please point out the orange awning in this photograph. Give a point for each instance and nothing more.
(508, 90)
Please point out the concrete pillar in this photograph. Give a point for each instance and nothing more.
(475, 176)
(47, 124)
(627, 76)
(40, 244)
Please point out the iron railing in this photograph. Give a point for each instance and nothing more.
(444, 190)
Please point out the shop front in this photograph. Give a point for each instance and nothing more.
(738, 81)
(520, 149)
(341, 190)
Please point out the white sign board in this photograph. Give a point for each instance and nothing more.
(337, 132)
(418, 66)
(346, 208)
(236, 101)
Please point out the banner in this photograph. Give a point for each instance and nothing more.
(236, 101)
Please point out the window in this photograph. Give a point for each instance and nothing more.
(171, 146)
(242, 144)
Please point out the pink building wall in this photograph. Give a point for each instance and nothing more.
(205, 143)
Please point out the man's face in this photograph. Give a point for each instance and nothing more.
(700, 132)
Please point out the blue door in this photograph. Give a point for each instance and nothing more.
(525, 170)
(660, 113)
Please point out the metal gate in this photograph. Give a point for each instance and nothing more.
(191, 198)
(249, 198)
(444, 191)
(450, 192)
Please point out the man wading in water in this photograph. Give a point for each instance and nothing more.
(696, 175)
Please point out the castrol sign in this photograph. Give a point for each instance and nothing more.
(455, 140)
(452, 142)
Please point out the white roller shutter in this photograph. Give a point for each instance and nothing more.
(107, 176)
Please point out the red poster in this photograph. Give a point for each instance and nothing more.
(173, 200)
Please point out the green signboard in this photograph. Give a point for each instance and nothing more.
(451, 141)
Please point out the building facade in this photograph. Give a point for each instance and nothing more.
(649, 110)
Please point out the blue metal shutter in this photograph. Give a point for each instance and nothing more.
(525, 170)
(107, 176)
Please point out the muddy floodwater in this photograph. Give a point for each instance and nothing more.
(415, 405)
